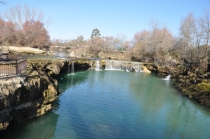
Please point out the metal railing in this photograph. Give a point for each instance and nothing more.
(12, 66)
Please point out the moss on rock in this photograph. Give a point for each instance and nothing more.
(203, 87)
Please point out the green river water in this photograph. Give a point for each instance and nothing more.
(117, 105)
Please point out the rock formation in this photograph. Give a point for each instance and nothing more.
(23, 98)
(31, 95)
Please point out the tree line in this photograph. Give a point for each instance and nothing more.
(96, 43)
(26, 26)
(156, 44)
(23, 26)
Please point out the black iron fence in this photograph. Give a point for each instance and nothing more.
(12, 66)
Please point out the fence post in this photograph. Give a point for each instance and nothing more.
(16, 67)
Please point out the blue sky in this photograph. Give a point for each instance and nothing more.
(71, 18)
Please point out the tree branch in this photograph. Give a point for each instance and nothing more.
(2, 2)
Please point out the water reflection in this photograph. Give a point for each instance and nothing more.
(160, 102)
(148, 93)
(185, 120)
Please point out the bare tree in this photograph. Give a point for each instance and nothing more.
(141, 44)
(121, 42)
(57, 42)
(23, 26)
(2, 2)
(95, 42)
(9, 33)
(35, 33)
(205, 29)
(187, 30)
(2, 30)
(154, 44)
(20, 14)
(109, 43)
(79, 41)
(96, 46)
(160, 43)
(198, 37)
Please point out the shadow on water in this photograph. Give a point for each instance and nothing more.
(37, 128)
(44, 127)
(67, 80)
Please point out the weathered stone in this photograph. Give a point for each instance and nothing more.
(34, 73)
(146, 70)
(4, 125)
(54, 68)
(22, 97)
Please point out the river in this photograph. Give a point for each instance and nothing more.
(117, 105)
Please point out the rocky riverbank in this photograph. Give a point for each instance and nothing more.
(31, 95)
(192, 80)
(23, 98)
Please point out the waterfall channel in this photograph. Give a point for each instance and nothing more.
(123, 65)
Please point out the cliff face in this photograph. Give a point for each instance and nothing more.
(29, 96)
(23, 98)
(54, 67)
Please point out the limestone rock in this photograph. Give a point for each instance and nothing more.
(4, 126)
(54, 68)
(26, 97)
(146, 70)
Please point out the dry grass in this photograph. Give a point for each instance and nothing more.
(23, 49)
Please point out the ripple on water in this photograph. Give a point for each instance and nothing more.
(116, 104)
